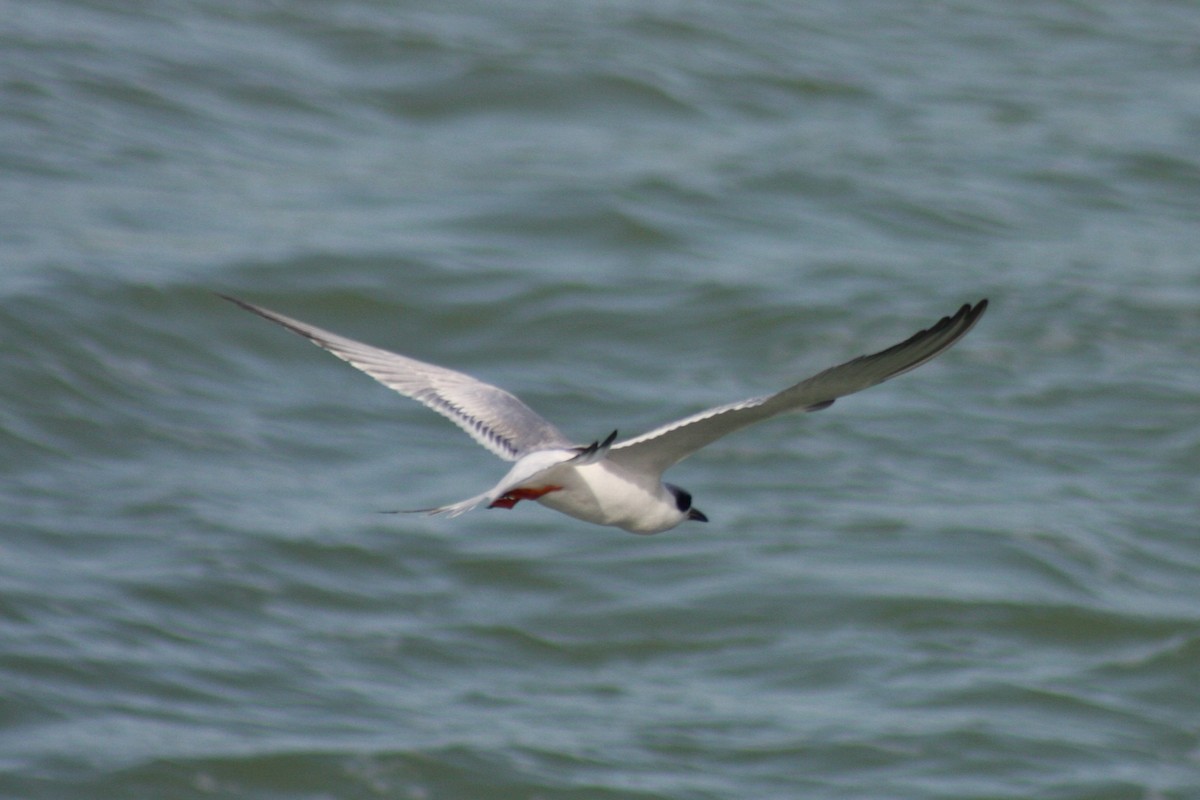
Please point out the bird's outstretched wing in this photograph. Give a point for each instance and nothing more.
(658, 449)
(491, 416)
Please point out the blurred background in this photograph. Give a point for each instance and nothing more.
(981, 580)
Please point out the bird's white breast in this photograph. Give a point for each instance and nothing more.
(605, 494)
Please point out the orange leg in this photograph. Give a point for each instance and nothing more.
(510, 499)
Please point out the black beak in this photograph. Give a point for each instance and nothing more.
(697, 515)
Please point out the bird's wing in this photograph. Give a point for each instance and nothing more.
(658, 449)
(491, 416)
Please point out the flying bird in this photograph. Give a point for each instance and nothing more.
(609, 482)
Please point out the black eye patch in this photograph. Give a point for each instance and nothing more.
(683, 498)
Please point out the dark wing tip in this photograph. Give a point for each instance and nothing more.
(279, 319)
(922, 346)
(961, 321)
(967, 314)
(237, 301)
(253, 309)
(971, 313)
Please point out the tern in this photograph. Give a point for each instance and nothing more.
(609, 482)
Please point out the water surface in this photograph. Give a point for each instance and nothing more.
(977, 581)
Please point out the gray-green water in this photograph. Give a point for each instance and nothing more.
(981, 580)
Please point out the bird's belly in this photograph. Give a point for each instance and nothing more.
(603, 494)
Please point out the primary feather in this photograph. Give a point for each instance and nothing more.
(658, 449)
(491, 416)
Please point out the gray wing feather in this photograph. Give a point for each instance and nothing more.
(660, 448)
(491, 416)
